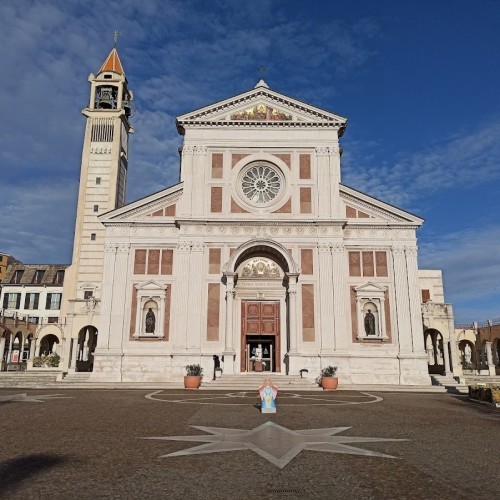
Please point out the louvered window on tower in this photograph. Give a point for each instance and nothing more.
(102, 130)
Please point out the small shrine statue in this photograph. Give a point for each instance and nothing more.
(369, 323)
(268, 393)
(150, 321)
(468, 354)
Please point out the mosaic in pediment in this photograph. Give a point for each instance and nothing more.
(261, 268)
(261, 112)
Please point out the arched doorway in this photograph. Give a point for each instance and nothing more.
(434, 347)
(467, 355)
(49, 345)
(260, 279)
(87, 342)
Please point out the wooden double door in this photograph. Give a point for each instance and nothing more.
(260, 325)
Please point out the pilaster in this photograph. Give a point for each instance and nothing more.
(198, 180)
(106, 298)
(323, 179)
(326, 298)
(181, 294)
(229, 328)
(417, 328)
(402, 300)
(187, 158)
(195, 295)
(117, 326)
(341, 332)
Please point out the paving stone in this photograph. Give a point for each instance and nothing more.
(90, 445)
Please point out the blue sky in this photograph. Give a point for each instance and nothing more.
(418, 81)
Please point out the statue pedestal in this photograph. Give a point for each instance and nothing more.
(268, 410)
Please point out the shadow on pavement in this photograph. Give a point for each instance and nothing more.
(16, 470)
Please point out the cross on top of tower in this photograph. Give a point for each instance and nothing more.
(116, 34)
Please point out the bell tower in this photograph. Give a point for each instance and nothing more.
(103, 178)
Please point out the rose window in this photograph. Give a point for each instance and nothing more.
(261, 184)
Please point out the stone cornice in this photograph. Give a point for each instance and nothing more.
(256, 222)
(281, 100)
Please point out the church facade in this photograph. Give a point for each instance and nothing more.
(259, 247)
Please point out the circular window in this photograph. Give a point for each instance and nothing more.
(261, 184)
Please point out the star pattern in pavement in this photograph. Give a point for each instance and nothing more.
(275, 443)
(24, 398)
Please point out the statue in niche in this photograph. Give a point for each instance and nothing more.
(369, 323)
(150, 321)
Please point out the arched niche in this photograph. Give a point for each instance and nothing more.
(370, 312)
(150, 300)
(48, 345)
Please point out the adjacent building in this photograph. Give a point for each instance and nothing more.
(30, 313)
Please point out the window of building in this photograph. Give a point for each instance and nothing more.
(33, 319)
(38, 276)
(59, 277)
(53, 301)
(96, 208)
(52, 319)
(31, 300)
(93, 236)
(97, 180)
(426, 295)
(17, 276)
(11, 300)
(88, 294)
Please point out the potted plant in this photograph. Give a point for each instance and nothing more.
(329, 381)
(192, 380)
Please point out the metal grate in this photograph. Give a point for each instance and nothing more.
(284, 491)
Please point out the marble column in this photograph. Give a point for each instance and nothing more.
(194, 329)
(489, 359)
(180, 292)
(402, 300)
(293, 327)
(229, 327)
(446, 357)
(117, 326)
(2, 350)
(340, 292)
(326, 299)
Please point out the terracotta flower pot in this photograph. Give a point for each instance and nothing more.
(329, 383)
(192, 381)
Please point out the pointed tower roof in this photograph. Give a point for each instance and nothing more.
(113, 63)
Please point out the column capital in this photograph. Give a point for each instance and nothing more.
(188, 150)
(338, 248)
(324, 247)
(123, 248)
(327, 151)
(183, 246)
(398, 250)
(110, 248)
(200, 150)
(197, 246)
(413, 251)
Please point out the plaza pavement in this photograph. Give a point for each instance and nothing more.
(90, 444)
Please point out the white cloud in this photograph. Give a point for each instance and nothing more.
(469, 158)
(471, 268)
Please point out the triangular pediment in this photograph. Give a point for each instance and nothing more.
(155, 207)
(370, 288)
(151, 286)
(360, 208)
(261, 105)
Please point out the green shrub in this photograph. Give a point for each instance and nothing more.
(37, 362)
